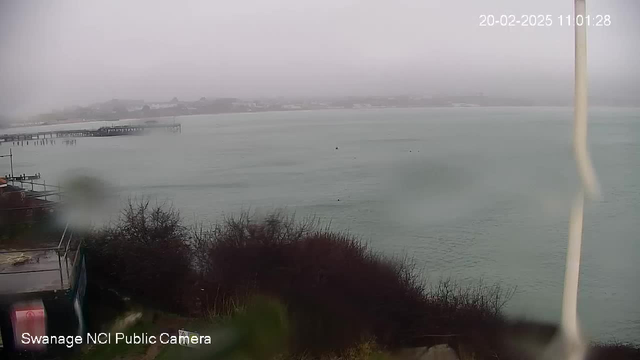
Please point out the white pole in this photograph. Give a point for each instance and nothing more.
(581, 153)
(575, 349)
(570, 326)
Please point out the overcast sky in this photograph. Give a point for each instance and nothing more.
(56, 52)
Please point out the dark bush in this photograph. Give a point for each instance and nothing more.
(338, 292)
(617, 351)
(146, 255)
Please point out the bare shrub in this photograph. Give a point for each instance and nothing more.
(337, 290)
(614, 350)
(146, 254)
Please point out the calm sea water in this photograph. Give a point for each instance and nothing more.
(467, 192)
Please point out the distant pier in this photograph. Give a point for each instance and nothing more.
(101, 132)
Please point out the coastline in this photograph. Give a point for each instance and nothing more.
(17, 125)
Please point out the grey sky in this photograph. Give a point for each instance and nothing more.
(56, 53)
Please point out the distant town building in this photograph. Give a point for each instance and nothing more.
(157, 106)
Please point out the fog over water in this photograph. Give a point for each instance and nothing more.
(74, 52)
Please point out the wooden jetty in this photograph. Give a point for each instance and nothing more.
(101, 132)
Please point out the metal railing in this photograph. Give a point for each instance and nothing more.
(39, 190)
(63, 250)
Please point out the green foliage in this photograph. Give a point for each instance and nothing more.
(260, 332)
